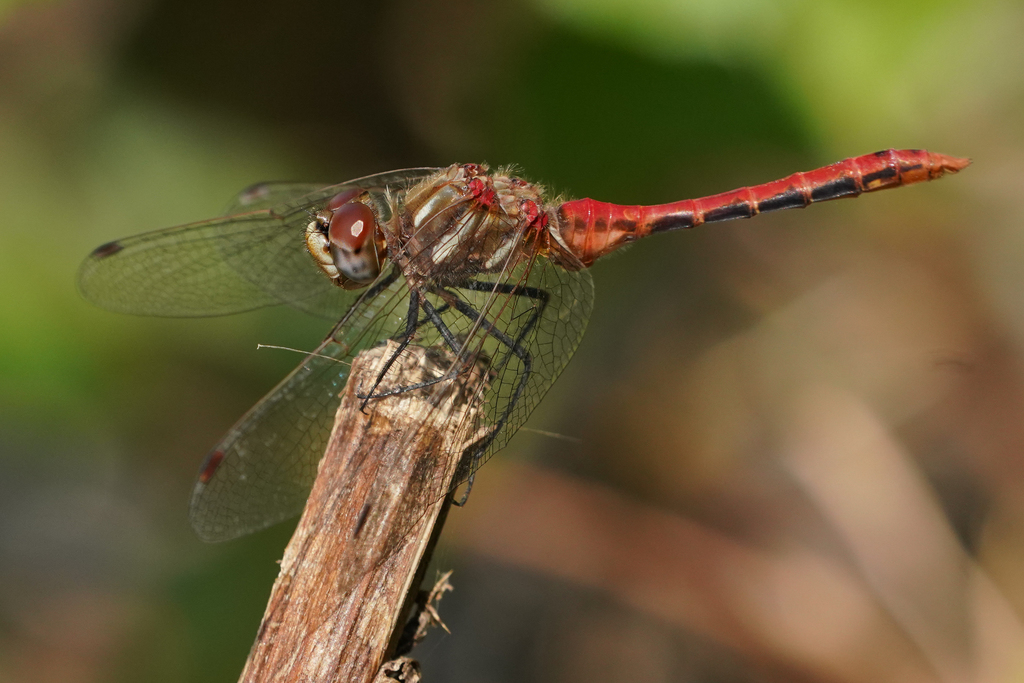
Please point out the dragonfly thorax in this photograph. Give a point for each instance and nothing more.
(463, 221)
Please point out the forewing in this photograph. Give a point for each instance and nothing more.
(286, 197)
(230, 264)
(208, 268)
(266, 195)
(394, 181)
(263, 469)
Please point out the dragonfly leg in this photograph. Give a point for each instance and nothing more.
(535, 293)
(464, 498)
(432, 316)
(514, 347)
(411, 325)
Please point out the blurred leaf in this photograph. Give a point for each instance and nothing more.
(866, 71)
(8, 6)
(628, 127)
(139, 166)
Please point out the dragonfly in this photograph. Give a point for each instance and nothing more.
(483, 265)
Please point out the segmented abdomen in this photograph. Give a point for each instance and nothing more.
(592, 229)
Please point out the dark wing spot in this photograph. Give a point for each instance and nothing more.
(253, 194)
(210, 466)
(105, 250)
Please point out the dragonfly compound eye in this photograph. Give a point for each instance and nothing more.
(351, 233)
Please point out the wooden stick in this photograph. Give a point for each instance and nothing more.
(351, 572)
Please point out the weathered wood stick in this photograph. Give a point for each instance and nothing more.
(352, 570)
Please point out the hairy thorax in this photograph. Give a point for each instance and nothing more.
(463, 221)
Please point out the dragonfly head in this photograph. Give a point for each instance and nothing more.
(345, 241)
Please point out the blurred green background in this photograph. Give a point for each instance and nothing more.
(801, 449)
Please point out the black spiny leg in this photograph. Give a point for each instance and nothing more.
(433, 316)
(411, 324)
(514, 346)
(534, 293)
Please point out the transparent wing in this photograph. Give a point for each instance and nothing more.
(286, 196)
(263, 469)
(377, 183)
(269, 194)
(231, 264)
(530, 321)
(216, 267)
(523, 326)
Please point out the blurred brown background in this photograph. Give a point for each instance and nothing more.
(801, 451)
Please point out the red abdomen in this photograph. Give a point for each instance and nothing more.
(591, 229)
